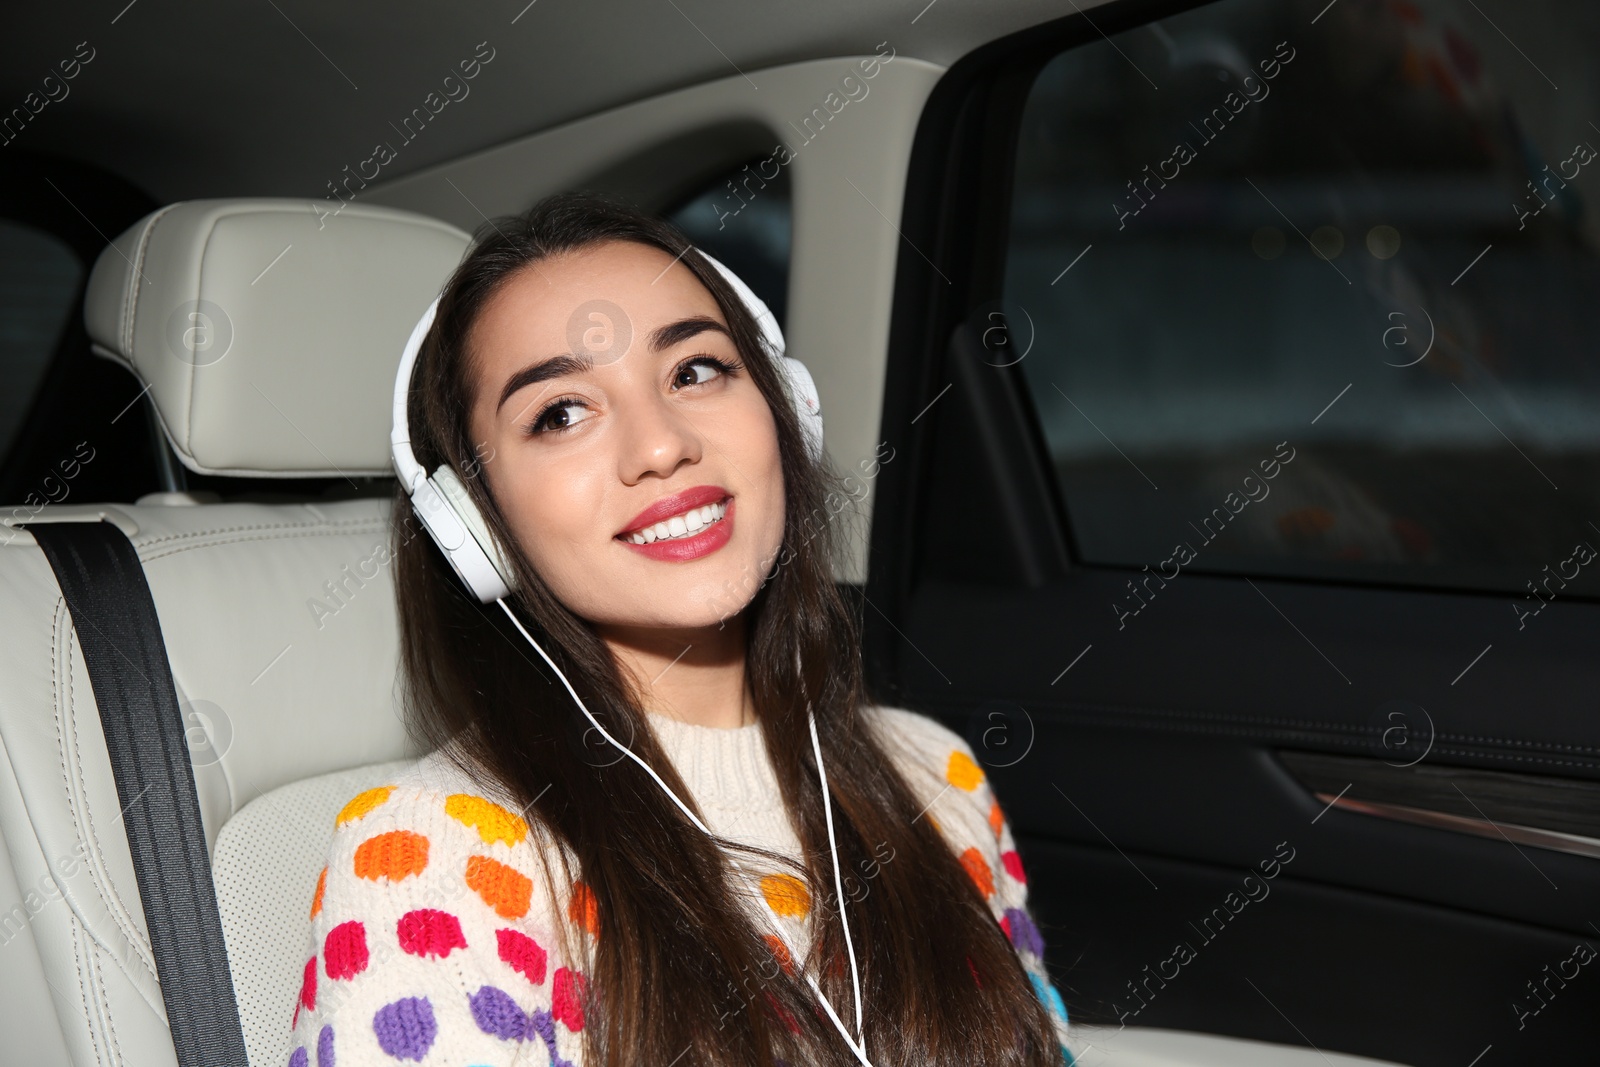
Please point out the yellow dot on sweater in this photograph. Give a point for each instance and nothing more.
(962, 773)
(362, 804)
(492, 822)
(786, 895)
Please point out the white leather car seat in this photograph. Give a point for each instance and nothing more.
(268, 338)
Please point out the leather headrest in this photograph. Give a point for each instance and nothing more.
(268, 331)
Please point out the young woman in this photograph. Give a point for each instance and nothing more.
(531, 892)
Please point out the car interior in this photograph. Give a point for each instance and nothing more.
(1077, 287)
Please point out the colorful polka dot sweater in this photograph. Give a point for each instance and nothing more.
(433, 936)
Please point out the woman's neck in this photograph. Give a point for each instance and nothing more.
(695, 676)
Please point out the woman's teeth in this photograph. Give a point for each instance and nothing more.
(686, 525)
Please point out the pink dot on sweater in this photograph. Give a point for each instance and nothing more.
(567, 1001)
(308, 986)
(1013, 864)
(522, 953)
(429, 932)
(344, 950)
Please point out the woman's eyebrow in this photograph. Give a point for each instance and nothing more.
(674, 332)
(568, 363)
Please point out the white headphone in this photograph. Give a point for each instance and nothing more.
(457, 527)
(442, 500)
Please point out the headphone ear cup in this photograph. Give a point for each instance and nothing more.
(452, 488)
(807, 405)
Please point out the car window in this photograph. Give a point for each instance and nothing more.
(744, 220)
(39, 280)
(1314, 294)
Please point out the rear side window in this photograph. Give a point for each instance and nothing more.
(1311, 290)
(743, 219)
(39, 281)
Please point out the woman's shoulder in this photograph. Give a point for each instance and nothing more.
(923, 744)
(436, 814)
(440, 917)
(941, 767)
(944, 773)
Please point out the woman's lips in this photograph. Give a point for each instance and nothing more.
(697, 496)
(682, 549)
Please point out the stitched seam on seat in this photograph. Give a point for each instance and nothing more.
(193, 375)
(105, 1008)
(83, 990)
(99, 872)
(1507, 757)
(132, 304)
(217, 544)
(147, 542)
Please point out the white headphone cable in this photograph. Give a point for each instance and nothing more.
(838, 883)
(859, 1049)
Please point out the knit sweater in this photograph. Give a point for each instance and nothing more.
(432, 933)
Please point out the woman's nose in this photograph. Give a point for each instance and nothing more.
(658, 436)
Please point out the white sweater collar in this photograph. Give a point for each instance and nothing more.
(725, 769)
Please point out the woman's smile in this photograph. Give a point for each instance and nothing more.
(689, 532)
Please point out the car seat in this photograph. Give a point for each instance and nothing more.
(267, 337)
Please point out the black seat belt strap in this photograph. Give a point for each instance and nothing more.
(114, 616)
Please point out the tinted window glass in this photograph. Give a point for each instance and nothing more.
(39, 279)
(1310, 290)
(744, 221)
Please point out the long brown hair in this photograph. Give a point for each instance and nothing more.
(679, 972)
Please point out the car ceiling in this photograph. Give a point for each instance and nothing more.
(275, 97)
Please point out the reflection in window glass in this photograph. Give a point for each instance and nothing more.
(39, 279)
(744, 221)
(1311, 290)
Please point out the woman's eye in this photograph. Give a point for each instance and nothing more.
(555, 418)
(713, 367)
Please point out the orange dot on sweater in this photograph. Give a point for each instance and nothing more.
(780, 951)
(786, 895)
(503, 888)
(584, 909)
(395, 855)
(978, 869)
(961, 772)
(316, 898)
(492, 822)
(997, 819)
(362, 803)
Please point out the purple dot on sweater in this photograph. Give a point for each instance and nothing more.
(543, 1023)
(1023, 933)
(496, 1013)
(325, 1047)
(406, 1028)
(297, 1058)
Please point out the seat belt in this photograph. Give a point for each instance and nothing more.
(114, 616)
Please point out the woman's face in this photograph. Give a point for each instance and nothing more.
(604, 418)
